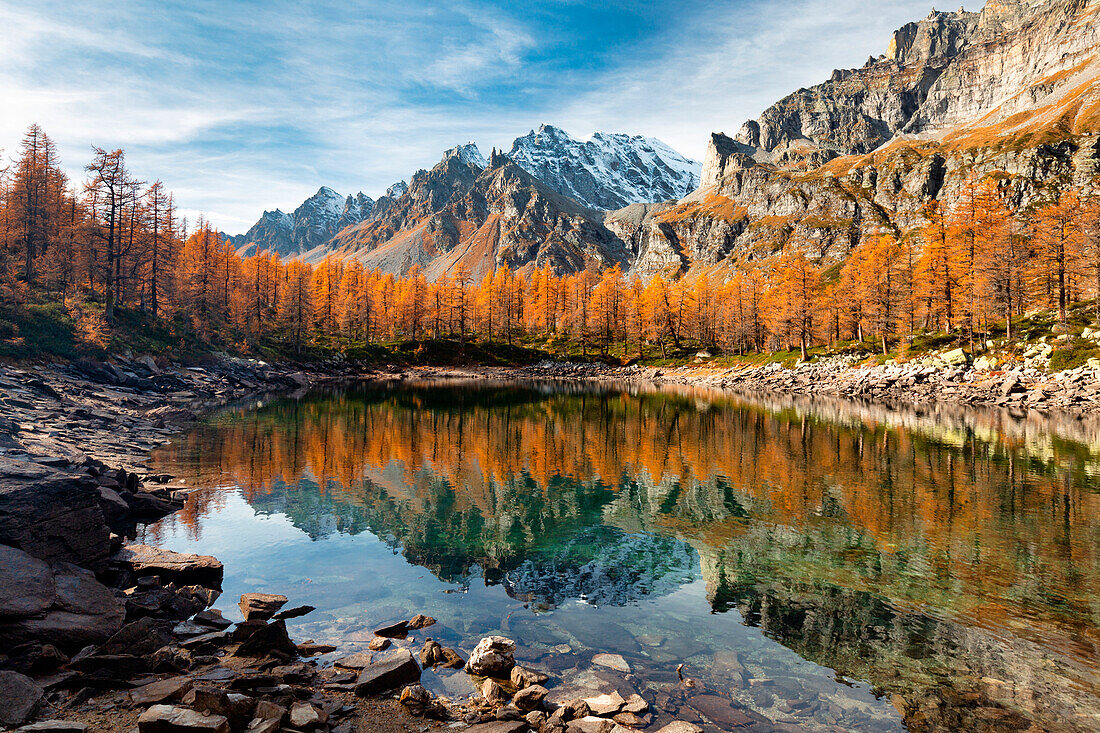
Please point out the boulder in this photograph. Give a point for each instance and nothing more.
(143, 636)
(431, 654)
(304, 716)
(177, 567)
(267, 710)
(270, 640)
(379, 643)
(213, 619)
(494, 656)
(530, 698)
(171, 719)
(260, 606)
(115, 509)
(19, 697)
(52, 515)
(420, 621)
(493, 693)
(605, 705)
(237, 708)
(388, 673)
(524, 677)
(955, 357)
(83, 612)
(26, 583)
(416, 699)
(172, 688)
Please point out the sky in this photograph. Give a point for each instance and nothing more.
(241, 106)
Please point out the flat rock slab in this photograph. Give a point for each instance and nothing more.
(172, 688)
(590, 724)
(605, 705)
(19, 696)
(178, 567)
(83, 611)
(26, 583)
(52, 515)
(393, 631)
(720, 711)
(388, 673)
(171, 719)
(611, 661)
(356, 661)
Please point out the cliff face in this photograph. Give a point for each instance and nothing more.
(458, 216)
(1014, 88)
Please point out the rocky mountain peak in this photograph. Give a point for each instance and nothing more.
(607, 171)
(467, 153)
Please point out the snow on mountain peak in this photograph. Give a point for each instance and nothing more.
(607, 171)
(468, 153)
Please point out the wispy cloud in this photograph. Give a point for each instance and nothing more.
(250, 105)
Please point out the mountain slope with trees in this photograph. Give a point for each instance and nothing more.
(896, 204)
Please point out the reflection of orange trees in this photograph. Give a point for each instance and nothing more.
(990, 531)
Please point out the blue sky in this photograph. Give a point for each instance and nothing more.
(246, 106)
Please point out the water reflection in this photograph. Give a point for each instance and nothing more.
(950, 558)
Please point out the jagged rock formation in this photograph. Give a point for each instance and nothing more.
(465, 215)
(608, 171)
(312, 224)
(1013, 89)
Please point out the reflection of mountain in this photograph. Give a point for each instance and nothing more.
(922, 551)
(545, 549)
(605, 567)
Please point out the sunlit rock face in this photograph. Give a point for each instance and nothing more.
(1011, 90)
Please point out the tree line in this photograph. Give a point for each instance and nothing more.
(118, 242)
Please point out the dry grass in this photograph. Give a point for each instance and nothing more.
(712, 206)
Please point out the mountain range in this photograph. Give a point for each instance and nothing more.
(1011, 90)
(606, 172)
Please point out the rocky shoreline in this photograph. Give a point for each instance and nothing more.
(952, 378)
(101, 634)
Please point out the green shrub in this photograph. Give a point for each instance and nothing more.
(1074, 354)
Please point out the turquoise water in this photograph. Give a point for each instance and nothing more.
(815, 566)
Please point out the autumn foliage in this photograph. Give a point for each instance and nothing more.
(118, 242)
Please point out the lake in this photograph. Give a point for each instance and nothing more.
(814, 565)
